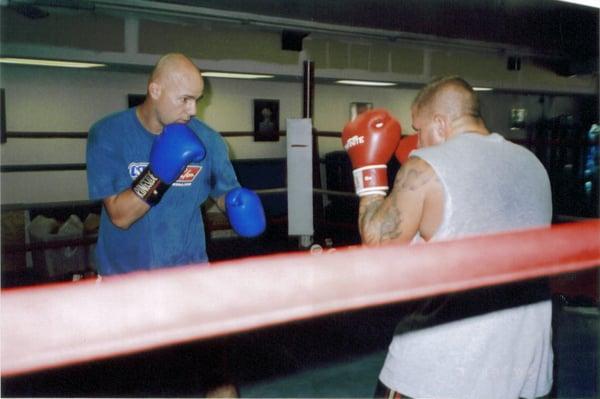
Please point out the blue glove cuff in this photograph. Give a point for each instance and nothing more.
(149, 187)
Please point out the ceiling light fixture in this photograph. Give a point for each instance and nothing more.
(232, 75)
(482, 89)
(365, 83)
(50, 63)
(589, 3)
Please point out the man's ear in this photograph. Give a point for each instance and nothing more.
(154, 90)
(440, 128)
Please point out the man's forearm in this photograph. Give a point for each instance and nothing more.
(367, 211)
(125, 208)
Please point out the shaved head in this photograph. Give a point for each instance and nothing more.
(173, 66)
(174, 87)
(452, 96)
(444, 108)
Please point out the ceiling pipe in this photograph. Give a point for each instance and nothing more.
(186, 12)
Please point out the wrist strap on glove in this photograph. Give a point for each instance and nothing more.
(149, 187)
(371, 180)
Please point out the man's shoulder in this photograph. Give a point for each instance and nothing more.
(114, 119)
(205, 132)
(201, 127)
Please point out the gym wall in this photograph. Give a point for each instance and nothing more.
(40, 99)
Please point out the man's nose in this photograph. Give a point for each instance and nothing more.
(192, 108)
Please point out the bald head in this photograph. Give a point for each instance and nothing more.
(174, 66)
(451, 96)
(444, 108)
(174, 87)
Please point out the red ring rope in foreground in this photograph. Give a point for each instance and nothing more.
(63, 324)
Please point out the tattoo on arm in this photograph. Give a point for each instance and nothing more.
(391, 225)
(367, 209)
(382, 220)
(370, 212)
(411, 180)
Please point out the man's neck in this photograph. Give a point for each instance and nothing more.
(147, 119)
(468, 124)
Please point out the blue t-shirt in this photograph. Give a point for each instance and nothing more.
(172, 232)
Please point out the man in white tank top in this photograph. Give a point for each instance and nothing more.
(464, 180)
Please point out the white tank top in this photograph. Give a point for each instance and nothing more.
(474, 348)
(490, 184)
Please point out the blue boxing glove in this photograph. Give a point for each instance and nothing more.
(245, 212)
(171, 152)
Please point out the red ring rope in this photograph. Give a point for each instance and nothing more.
(56, 325)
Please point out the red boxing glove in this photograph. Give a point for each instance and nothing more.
(370, 140)
(406, 145)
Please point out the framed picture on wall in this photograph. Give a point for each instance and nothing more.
(266, 120)
(518, 117)
(133, 100)
(357, 108)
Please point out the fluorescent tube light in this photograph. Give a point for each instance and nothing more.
(231, 75)
(50, 63)
(589, 3)
(482, 88)
(364, 83)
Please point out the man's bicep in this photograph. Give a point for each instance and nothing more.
(408, 197)
(223, 177)
(395, 218)
(105, 174)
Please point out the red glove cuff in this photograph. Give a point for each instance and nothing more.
(371, 180)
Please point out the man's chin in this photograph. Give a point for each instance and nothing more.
(180, 121)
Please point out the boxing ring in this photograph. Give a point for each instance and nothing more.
(44, 327)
